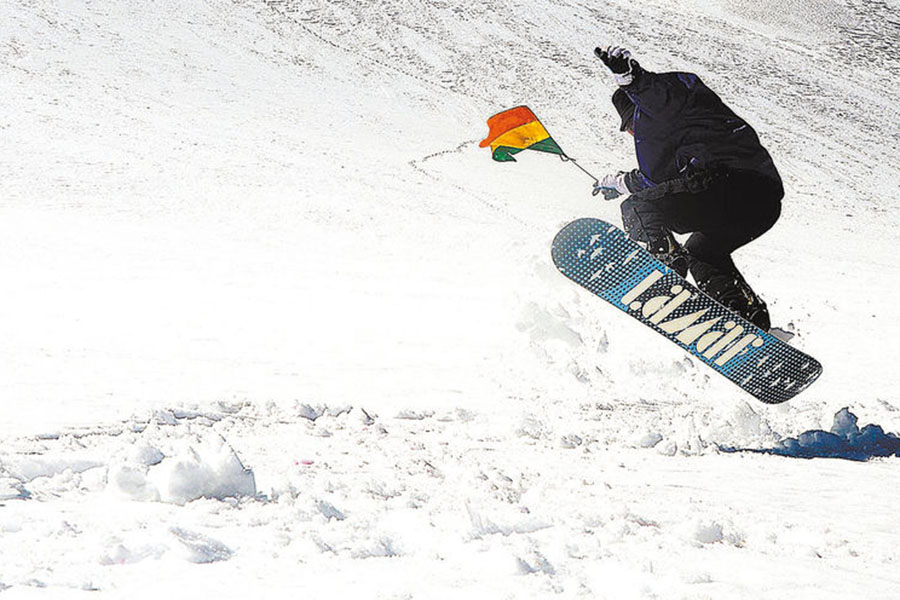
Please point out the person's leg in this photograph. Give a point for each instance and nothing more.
(652, 215)
(751, 205)
(729, 211)
(747, 206)
(649, 217)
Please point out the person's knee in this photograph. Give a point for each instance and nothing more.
(766, 210)
(630, 220)
(705, 247)
(773, 206)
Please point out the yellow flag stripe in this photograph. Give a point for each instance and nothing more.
(522, 136)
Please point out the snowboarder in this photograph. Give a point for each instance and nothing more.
(702, 170)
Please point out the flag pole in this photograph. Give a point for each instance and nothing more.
(566, 158)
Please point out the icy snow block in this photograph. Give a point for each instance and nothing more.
(210, 469)
(845, 423)
(200, 548)
(132, 483)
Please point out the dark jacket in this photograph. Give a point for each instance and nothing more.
(681, 126)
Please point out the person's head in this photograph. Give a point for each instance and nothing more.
(625, 108)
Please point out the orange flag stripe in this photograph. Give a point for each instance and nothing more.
(507, 120)
(522, 137)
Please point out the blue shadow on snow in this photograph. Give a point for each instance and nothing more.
(845, 440)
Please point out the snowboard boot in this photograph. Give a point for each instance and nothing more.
(668, 251)
(731, 291)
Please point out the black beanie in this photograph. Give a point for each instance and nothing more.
(624, 106)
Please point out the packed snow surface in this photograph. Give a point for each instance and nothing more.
(273, 323)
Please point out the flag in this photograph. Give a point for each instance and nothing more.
(517, 129)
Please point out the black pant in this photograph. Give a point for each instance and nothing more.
(722, 210)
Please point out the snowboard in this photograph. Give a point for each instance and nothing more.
(604, 260)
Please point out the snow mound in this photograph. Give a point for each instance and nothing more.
(193, 467)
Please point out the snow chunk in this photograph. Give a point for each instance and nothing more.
(414, 415)
(531, 427)
(329, 511)
(383, 547)
(649, 440)
(12, 489)
(29, 468)
(201, 548)
(537, 564)
(188, 467)
(571, 441)
(844, 424)
(709, 533)
(310, 412)
(512, 523)
(120, 554)
(208, 468)
(670, 448)
(164, 417)
(132, 483)
(147, 455)
(337, 411)
(706, 532)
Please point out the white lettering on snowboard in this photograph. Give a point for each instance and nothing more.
(720, 344)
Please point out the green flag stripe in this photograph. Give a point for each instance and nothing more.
(505, 153)
(547, 145)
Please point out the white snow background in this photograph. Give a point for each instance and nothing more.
(271, 322)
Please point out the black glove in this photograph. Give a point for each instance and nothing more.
(619, 61)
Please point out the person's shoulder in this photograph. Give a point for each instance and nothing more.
(680, 78)
(689, 80)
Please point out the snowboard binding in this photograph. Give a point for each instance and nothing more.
(733, 292)
(668, 251)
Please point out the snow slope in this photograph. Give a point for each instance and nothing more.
(273, 322)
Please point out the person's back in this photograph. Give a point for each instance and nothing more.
(680, 124)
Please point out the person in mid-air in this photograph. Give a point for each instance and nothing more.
(701, 170)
